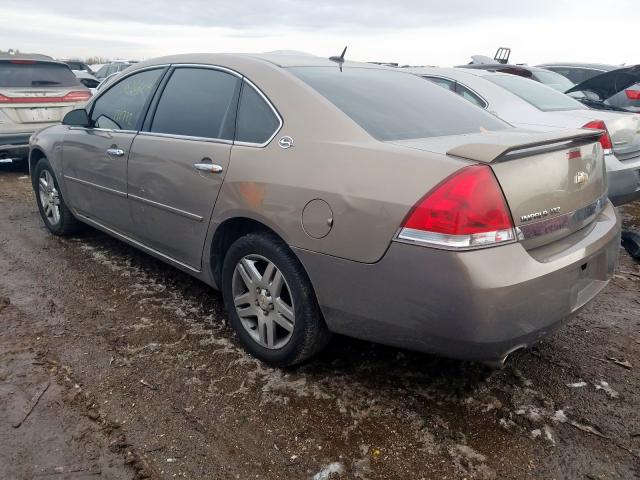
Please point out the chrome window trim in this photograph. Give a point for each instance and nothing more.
(109, 130)
(273, 109)
(96, 186)
(136, 243)
(189, 215)
(186, 137)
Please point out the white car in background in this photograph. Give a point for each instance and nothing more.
(88, 80)
(532, 105)
(36, 91)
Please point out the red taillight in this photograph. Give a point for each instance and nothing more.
(466, 210)
(77, 96)
(605, 140)
(23, 62)
(633, 94)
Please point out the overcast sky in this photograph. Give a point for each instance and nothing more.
(417, 32)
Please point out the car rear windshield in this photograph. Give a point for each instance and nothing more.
(554, 80)
(540, 96)
(27, 73)
(396, 105)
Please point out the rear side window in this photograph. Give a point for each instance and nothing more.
(27, 73)
(256, 120)
(392, 105)
(121, 107)
(198, 102)
(540, 96)
(467, 94)
(443, 82)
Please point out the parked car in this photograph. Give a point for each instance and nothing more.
(532, 105)
(77, 65)
(87, 80)
(549, 78)
(35, 92)
(329, 196)
(105, 81)
(111, 68)
(617, 90)
(578, 72)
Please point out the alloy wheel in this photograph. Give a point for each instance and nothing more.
(263, 302)
(49, 197)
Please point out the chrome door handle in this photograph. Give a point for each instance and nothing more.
(115, 152)
(208, 167)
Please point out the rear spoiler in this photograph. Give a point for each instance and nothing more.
(532, 143)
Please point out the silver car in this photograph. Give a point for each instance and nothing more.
(528, 104)
(327, 196)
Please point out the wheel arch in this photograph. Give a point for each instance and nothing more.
(228, 232)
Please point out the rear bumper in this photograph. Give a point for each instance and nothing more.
(623, 179)
(14, 146)
(477, 305)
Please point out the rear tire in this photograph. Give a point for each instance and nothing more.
(270, 301)
(54, 211)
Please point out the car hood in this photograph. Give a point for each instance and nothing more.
(608, 84)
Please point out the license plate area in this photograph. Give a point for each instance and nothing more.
(39, 114)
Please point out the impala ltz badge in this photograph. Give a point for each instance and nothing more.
(581, 178)
(538, 215)
(285, 142)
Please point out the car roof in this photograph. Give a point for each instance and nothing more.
(283, 60)
(595, 66)
(453, 71)
(27, 56)
(499, 66)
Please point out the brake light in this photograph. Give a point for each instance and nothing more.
(77, 96)
(23, 62)
(633, 94)
(605, 140)
(466, 210)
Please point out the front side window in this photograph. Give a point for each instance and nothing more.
(392, 105)
(256, 120)
(121, 107)
(198, 102)
(540, 96)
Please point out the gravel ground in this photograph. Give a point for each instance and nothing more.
(115, 365)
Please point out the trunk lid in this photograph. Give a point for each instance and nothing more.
(554, 182)
(608, 84)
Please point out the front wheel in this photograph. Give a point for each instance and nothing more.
(54, 211)
(271, 304)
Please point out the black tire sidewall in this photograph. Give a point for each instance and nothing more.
(68, 224)
(309, 330)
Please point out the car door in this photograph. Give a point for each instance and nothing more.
(95, 158)
(178, 162)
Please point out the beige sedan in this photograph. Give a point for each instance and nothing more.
(325, 196)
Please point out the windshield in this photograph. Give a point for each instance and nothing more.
(28, 73)
(538, 95)
(554, 80)
(393, 105)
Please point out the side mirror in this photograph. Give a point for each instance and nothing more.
(77, 118)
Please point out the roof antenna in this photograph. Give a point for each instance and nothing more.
(340, 59)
